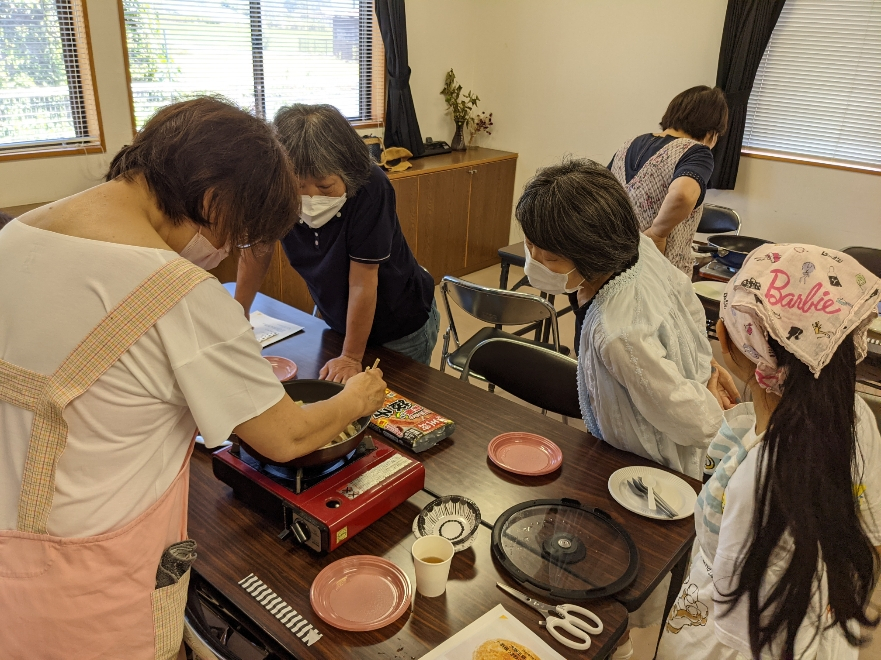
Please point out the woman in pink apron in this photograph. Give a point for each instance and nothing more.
(115, 345)
(666, 174)
(788, 520)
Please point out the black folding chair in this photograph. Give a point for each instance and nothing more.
(495, 306)
(538, 375)
(868, 257)
(718, 220)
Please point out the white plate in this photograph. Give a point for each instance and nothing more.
(709, 290)
(678, 494)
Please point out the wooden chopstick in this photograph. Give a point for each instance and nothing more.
(375, 364)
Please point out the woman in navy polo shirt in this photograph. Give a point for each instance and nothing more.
(348, 245)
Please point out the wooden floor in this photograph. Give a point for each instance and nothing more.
(644, 640)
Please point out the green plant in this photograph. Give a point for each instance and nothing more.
(460, 108)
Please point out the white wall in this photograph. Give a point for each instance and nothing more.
(46, 179)
(583, 76)
(790, 202)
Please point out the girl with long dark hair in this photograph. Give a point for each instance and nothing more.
(789, 524)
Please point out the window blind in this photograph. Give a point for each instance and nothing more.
(47, 99)
(818, 89)
(260, 54)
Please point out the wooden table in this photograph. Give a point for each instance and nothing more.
(236, 540)
(459, 465)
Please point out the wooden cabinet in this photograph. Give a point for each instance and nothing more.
(489, 218)
(443, 221)
(407, 203)
(460, 206)
(455, 212)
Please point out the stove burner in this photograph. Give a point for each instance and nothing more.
(299, 479)
(563, 548)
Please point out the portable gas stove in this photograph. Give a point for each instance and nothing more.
(323, 506)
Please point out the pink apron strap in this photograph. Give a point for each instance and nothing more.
(100, 349)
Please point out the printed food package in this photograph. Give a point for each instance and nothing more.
(408, 424)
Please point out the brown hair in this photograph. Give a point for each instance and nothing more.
(698, 112)
(205, 160)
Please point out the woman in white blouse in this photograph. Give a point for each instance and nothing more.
(647, 381)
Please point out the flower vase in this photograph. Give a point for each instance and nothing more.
(458, 143)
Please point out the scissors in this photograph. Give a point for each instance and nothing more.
(558, 616)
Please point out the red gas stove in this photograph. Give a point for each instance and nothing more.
(323, 506)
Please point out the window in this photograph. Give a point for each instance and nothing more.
(817, 94)
(47, 100)
(260, 54)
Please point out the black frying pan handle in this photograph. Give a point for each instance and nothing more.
(703, 248)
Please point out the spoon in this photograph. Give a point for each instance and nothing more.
(650, 483)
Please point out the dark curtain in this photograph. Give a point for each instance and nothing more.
(401, 127)
(748, 28)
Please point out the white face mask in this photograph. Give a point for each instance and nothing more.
(200, 251)
(544, 279)
(317, 210)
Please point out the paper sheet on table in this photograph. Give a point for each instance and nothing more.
(269, 330)
(497, 624)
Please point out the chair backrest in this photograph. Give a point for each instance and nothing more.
(537, 375)
(718, 220)
(497, 306)
(868, 257)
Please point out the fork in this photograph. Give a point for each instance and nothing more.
(642, 491)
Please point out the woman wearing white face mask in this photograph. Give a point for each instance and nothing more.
(115, 345)
(645, 360)
(647, 382)
(348, 245)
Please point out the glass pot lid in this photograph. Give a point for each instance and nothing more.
(564, 549)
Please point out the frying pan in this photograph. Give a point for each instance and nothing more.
(731, 250)
(310, 391)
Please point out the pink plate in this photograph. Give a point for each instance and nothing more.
(283, 368)
(525, 453)
(360, 593)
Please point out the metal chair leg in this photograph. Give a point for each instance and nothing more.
(443, 364)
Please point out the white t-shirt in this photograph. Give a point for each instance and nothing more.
(732, 628)
(200, 365)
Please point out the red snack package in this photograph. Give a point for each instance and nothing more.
(408, 424)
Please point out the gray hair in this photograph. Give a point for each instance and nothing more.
(579, 211)
(321, 142)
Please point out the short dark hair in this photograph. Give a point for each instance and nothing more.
(205, 158)
(579, 211)
(321, 142)
(698, 112)
(5, 219)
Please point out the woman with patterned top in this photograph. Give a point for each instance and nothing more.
(666, 174)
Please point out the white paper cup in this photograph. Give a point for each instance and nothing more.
(431, 577)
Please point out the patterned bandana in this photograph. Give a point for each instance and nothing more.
(808, 298)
